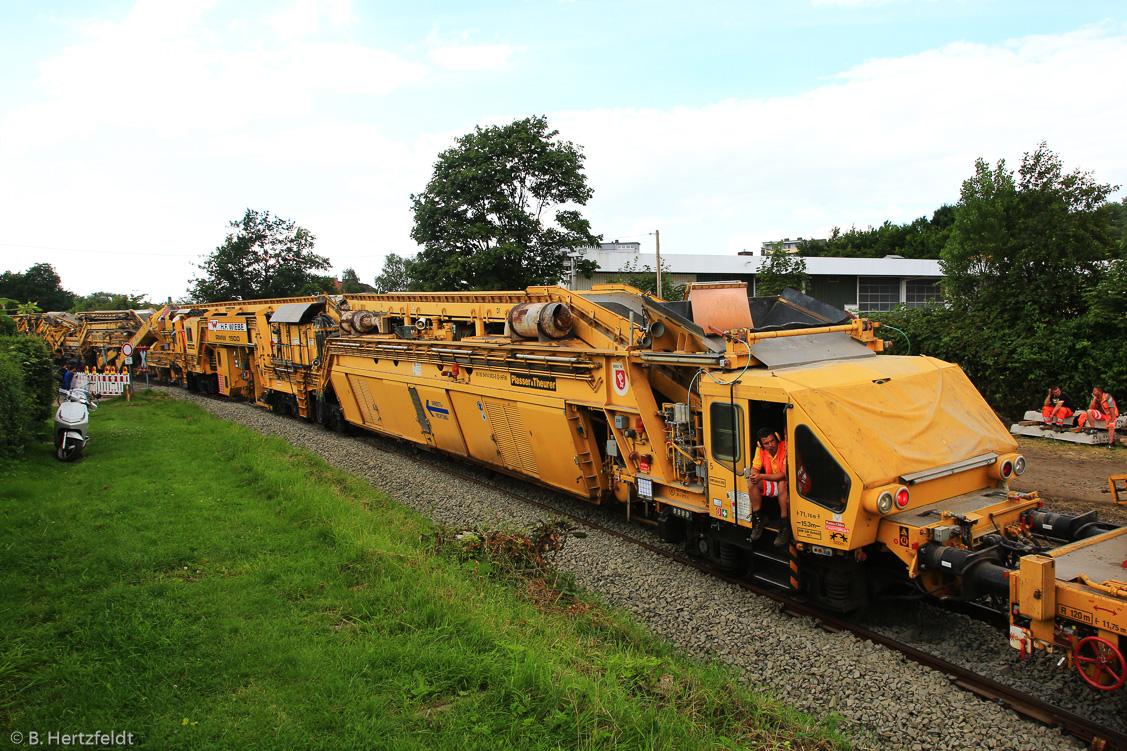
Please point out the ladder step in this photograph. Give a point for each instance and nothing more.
(773, 581)
(770, 553)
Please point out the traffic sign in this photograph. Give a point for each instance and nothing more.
(127, 349)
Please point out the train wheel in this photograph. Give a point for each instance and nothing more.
(1100, 663)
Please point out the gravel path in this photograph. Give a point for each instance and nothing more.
(882, 700)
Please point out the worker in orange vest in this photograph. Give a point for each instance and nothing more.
(768, 477)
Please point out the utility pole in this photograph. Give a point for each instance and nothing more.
(657, 238)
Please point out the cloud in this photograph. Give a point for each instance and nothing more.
(303, 17)
(473, 57)
(164, 69)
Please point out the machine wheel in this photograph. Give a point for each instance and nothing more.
(1100, 663)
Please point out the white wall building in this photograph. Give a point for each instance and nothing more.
(861, 284)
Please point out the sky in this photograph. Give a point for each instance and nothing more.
(132, 132)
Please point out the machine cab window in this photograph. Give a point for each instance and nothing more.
(726, 420)
(818, 476)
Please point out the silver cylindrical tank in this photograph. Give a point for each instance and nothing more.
(529, 320)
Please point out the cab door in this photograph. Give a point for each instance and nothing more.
(726, 425)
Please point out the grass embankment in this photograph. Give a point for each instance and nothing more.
(201, 586)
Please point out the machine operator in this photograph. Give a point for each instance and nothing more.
(768, 477)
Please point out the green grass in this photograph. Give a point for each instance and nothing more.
(205, 587)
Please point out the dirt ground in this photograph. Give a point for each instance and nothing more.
(1072, 477)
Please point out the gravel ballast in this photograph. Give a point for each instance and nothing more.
(881, 699)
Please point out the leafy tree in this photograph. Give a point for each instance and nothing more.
(395, 275)
(110, 301)
(781, 270)
(1108, 298)
(644, 277)
(921, 238)
(1027, 249)
(587, 268)
(318, 284)
(492, 215)
(40, 284)
(262, 257)
(350, 283)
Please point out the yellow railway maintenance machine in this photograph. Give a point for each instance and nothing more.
(93, 338)
(267, 351)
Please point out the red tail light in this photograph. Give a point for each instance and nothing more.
(902, 498)
(1007, 469)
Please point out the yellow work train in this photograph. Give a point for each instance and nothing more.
(896, 469)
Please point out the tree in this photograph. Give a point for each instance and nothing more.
(492, 215)
(110, 301)
(644, 277)
(1026, 250)
(262, 257)
(350, 283)
(40, 284)
(395, 276)
(781, 270)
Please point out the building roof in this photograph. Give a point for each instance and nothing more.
(739, 265)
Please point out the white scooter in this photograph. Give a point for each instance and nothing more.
(72, 423)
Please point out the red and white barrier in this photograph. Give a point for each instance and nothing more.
(110, 383)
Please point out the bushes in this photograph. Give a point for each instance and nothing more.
(1013, 368)
(27, 389)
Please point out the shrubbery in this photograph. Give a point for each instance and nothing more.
(27, 389)
(1014, 367)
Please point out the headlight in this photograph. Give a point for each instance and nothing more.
(1019, 465)
(884, 502)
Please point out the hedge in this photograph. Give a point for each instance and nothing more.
(27, 391)
(1013, 369)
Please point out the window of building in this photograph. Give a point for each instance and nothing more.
(919, 292)
(817, 474)
(726, 420)
(875, 294)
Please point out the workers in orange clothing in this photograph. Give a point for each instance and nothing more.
(1058, 408)
(1103, 407)
(768, 476)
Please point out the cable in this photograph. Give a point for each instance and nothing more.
(901, 333)
(741, 375)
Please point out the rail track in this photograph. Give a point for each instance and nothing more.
(1094, 735)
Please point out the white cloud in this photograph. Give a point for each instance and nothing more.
(473, 57)
(163, 69)
(302, 18)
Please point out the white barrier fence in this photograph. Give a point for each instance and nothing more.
(103, 384)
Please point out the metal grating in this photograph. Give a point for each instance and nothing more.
(364, 399)
(511, 436)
